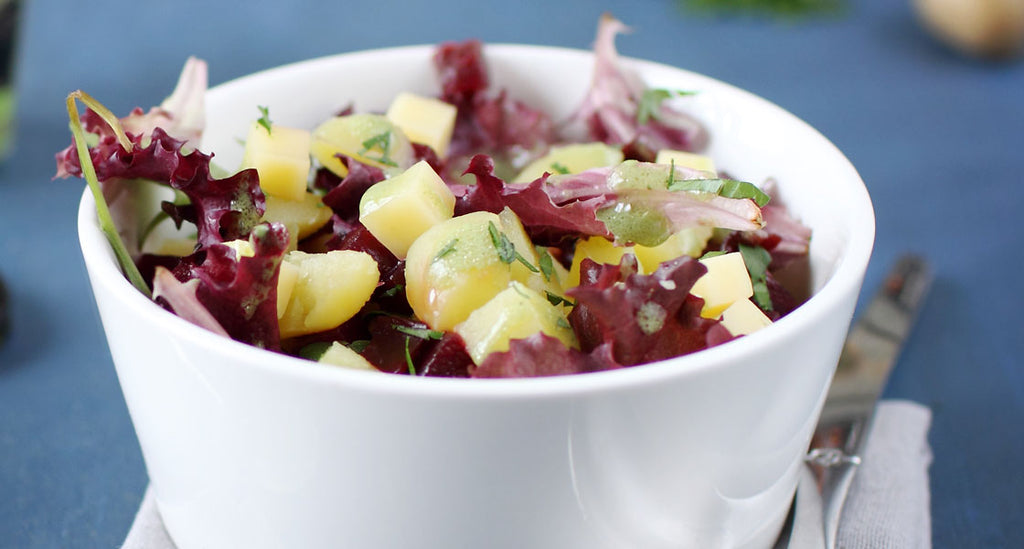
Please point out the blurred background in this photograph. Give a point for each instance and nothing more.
(936, 131)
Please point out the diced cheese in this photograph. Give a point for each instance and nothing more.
(424, 120)
(686, 159)
(597, 248)
(725, 282)
(340, 355)
(743, 317)
(281, 157)
(690, 241)
(398, 210)
(515, 313)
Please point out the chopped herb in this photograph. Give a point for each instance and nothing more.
(757, 259)
(359, 345)
(264, 119)
(546, 264)
(671, 174)
(381, 142)
(712, 253)
(506, 250)
(526, 263)
(559, 168)
(393, 291)
(728, 188)
(651, 100)
(314, 351)
(408, 359)
(556, 299)
(563, 323)
(422, 333)
(447, 249)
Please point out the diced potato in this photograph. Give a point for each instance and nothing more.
(453, 268)
(424, 120)
(515, 313)
(303, 217)
(691, 242)
(176, 246)
(573, 158)
(743, 317)
(369, 138)
(330, 288)
(725, 282)
(340, 355)
(597, 248)
(242, 247)
(281, 157)
(687, 159)
(398, 210)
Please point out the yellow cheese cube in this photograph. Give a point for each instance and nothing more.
(743, 317)
(340, 355)
(424, 120)
(281, 157)
(690, 241)
(303, 217)
(330, 288)
(686, 159)
(597, 248)
(515, 313)
(398, 210)
(573, 158)
(725, 282)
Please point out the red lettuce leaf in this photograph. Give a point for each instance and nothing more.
(543, 355)
(644, 318)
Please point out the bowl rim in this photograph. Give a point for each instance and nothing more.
(847, 277)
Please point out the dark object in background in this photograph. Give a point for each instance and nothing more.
(8, 41)
(4, 324)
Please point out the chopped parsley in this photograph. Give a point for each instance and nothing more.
(556, 299)
(650, 102)
(393, 291)
(264, 119)
(381, 142)
(408, 359)
(728, 188)
(422, 333)
(559, 168)
(757, 259)
(447, 249)
(507, 252)
(546, 264)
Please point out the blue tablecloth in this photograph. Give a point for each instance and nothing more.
(937, 137)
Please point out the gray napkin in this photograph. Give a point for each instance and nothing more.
(888, 506)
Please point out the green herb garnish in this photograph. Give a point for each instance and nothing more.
(381, 142)
(556, 299)
(728, 188)
(651, 100)
(559, 168)
(264, 119)
(757, 259)
(422, 333)
(712, 253)
(393, 291)
(314, 351)
(546, 264)
(359, 345)
(563, 323)
(507, 252)
(447, 249)
(408, 359)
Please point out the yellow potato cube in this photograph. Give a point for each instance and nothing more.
(725, 282)
(398, 210)
(690, 241)
(424, 120)
(303, 217)
(340, 355)
(453, 268)
(573, 158)
(330, 288)
(686, 159)
(743, 317)
(515, 313)
(368, 138)
(597, 248)
(281, 157)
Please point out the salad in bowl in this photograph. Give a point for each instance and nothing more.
(465, 233)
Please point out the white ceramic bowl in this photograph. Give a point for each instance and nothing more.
(246, 448)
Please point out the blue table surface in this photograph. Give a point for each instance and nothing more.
(937, 137)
